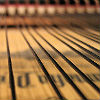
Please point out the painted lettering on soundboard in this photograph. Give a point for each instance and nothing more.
(2, 79)
(41, 79)
(24, 80)
(57, 79)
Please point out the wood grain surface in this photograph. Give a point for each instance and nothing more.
(55, 59)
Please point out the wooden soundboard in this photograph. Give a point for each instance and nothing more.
(50, 58)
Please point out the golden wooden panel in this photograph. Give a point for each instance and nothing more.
(31, 82)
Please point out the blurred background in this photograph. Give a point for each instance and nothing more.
(33, 7)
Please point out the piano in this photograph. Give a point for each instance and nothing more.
(49, 49)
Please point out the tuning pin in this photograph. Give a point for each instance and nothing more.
(41, 9)
(2, 9)
(70, 6)
(21, 7)
(51, 9)
(31, 9)
(11, 10)
(11, 7)
(97, 6)
(21, 10)
(90, 9)
(70, 9)
(90, 6)
(60, 6)
(98, 9)
(80, 9)
(60, 9)
(80, 6)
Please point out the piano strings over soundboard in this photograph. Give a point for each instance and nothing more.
(49, 49)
